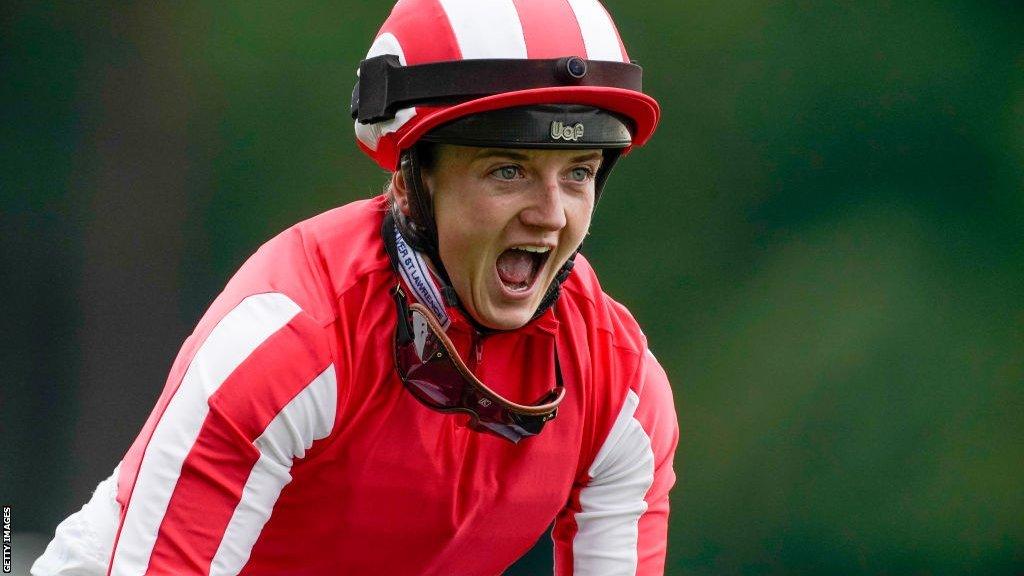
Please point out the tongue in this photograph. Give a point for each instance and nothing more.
(515, 267)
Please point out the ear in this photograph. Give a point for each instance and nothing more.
(400, 191)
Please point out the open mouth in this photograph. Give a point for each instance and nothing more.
(519, 266)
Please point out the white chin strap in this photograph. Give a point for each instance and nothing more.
(414, 270)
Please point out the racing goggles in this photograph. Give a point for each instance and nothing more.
(430, 368)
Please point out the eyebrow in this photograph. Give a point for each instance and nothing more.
(514, 155)
(590, 156)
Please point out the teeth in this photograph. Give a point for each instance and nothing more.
(536, 249)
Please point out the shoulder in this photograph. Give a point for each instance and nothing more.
(297, 278)
(315, 261)
(621, 378)
(585, 304)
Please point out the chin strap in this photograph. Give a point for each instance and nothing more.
(419, 230)
(410, 265)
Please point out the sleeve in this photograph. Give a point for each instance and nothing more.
(616, 523)
(82, 544)
(202, 479)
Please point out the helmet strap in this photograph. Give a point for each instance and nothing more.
(420, 229)
(611, 156)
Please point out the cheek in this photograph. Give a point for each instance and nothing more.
(464, 235)
(578, 216)
(473, 218)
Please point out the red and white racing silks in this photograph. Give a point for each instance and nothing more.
(284, 442)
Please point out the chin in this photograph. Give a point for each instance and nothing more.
(492, 309)
(506, 321)
(510, 319)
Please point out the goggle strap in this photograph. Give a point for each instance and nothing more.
(385, 86)
(482, 388)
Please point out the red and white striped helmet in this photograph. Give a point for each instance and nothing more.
(442, 31)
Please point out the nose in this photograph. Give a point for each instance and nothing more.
(546, 209)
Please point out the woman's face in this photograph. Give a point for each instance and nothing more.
(507, 220)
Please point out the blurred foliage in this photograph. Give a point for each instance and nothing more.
(823, 243)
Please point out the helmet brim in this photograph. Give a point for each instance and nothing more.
(640, 108)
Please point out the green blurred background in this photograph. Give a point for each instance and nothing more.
(823, 243)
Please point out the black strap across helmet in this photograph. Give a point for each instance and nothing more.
(385, 86)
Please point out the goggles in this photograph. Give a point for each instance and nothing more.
(431, 369)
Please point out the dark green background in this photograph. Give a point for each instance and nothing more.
(822, 241)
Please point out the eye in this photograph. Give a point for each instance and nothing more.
(581, 174)
(506, 172)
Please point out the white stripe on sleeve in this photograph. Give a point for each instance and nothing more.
(234, 338)
(613, 502)
(500, 37)
(598, 31)
(308, 417)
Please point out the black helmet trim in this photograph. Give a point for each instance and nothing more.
(557, 126)
(385, 86)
